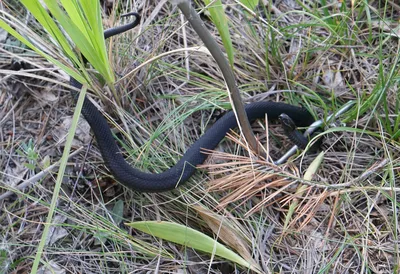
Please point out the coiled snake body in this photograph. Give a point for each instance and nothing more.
(186, 166)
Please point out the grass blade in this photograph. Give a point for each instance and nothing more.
(81, 20)
(219, 19)
(60, 176)
(50, 26)
(250, 4)
(6, 25)
(189, 237)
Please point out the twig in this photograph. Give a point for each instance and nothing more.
(372, 170)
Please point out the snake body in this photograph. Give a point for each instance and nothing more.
(186, 166)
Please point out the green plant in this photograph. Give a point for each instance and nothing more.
(28, 151)
(80, 21)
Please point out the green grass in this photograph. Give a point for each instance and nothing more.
(318, 55)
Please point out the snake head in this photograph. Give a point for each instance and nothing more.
(287, 122)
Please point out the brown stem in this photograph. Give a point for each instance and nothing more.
(234, 94)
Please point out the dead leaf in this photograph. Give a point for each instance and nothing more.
(82, 134)
(230, 237)
(51, 268)
(56, 232)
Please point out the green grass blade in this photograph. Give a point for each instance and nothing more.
(219, 19)
(93, 16)
(87, 17)
(250, 4)
(69, 70)
(189, 237)
(81, 20)
(76, 35)
(50, 26)
(60, 176)
(74, 12)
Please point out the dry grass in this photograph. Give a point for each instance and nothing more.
(345, 219)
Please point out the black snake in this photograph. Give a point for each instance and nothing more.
(186, 166)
